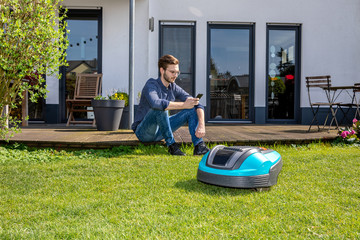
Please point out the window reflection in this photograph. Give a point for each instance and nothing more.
(82, 53)
(177, 40)
(229, 73)
(281, 74)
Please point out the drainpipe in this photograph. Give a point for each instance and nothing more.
(131, 60)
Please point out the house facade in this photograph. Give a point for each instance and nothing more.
(248, 58)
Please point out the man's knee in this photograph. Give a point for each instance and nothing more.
(158, 113)
(161, 114)
(192, 112)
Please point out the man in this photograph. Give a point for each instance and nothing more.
(152, 121)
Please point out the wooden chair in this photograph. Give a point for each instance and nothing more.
(87, 86)
(323, 82)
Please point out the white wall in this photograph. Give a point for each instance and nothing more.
(115, 49)
(330, 36)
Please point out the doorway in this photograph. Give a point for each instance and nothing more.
(283, 73)
(230, 68)
(178, 39)
(83, 53)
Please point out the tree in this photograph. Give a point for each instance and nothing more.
(32, 44)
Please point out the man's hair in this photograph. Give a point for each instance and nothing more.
(166, 60)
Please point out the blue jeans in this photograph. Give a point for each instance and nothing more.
(157, 125)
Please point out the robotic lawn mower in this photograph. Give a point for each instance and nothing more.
(240, 167)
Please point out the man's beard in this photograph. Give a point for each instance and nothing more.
(168, 79)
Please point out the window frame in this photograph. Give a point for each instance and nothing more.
(251, 28)
(181, 24)
(80, 14)
(297, 86)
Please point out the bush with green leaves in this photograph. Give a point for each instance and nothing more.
(32, 45)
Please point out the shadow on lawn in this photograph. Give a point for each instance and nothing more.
(192, 185)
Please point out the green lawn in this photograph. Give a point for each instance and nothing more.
(144, 193)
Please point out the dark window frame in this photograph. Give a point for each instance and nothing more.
(297, 92)
(177, 24)
(251, 28)
(80, 14)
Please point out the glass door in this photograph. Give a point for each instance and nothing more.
(84, 51)
(178, 39)
(283, 73)
(230, 72)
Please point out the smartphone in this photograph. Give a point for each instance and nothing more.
(199, 95)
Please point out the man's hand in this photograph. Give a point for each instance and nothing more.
(200, 131)
(190, 102)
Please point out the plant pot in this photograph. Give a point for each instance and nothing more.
(124, 123)
(108, 114)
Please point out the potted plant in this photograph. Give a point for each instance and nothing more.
(124, 123)
(108, 111)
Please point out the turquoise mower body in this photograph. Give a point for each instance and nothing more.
(240, 167)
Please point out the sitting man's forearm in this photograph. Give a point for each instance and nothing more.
(188, 104)
(200, 130)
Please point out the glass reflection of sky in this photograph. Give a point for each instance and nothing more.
(283, 38)
(80, 31)
(278, 39)
(177, 42)
(230, 50)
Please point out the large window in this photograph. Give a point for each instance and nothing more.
(178, 39)
(231, 71)
(84, 51)
(283, 72)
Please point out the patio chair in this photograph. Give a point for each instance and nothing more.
(357, 101)
(323, 82)
(87, 86)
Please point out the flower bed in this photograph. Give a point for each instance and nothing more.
(351, 134)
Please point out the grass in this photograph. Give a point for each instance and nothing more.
(144, 193)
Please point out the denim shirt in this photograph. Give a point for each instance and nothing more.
(156, 96)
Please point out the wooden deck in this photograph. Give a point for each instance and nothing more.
(60, 136)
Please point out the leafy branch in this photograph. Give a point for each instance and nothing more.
(32, 44)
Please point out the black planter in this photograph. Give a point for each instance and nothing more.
(124, 123)
(108, 114)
